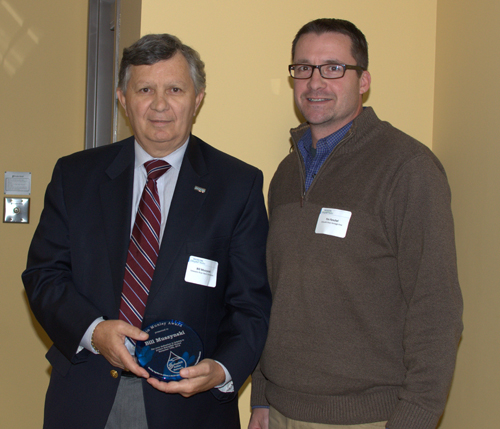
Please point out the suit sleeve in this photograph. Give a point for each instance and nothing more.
(243, 331)
(62, 311)
(258, 397)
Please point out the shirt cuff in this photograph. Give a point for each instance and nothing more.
(86, 342)
(227, 386)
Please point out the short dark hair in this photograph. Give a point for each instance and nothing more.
(359, 45)
(152, 48)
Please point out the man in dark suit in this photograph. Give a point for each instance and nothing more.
(212, 212)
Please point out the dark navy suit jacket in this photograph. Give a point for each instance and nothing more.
(75, 273)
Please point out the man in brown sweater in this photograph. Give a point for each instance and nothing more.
(367, 308)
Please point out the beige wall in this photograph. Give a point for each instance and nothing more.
(42, 96)
(466, 140)
(248, 109)
(247, 112)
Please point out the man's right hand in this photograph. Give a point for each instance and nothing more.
(259, 419)
(109, 338)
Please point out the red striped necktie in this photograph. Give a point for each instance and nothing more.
(143, 248)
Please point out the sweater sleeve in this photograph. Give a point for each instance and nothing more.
(258, 398)
(420, 226)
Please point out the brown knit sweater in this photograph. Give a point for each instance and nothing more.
(363, 328)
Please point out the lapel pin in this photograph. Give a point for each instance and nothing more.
(201, 190)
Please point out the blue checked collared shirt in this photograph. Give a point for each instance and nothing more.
(314, 159)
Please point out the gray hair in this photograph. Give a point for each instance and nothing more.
(152, 48)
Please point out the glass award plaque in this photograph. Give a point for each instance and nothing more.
(171, 346)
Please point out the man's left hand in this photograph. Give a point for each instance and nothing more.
(199, 378)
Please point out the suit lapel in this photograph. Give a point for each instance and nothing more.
(116, 203)
(189, 196)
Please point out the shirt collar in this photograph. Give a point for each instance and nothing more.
(174, 159)
(327, 143)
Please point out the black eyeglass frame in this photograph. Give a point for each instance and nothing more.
(313, 66)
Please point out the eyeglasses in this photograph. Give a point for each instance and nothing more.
(327, 71)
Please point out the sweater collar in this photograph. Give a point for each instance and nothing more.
(365, 121)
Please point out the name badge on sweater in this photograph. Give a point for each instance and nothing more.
(201, 271)
(333, 222)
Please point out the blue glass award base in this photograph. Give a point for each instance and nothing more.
(171, 346)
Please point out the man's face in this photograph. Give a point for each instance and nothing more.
(328, 104)
(160, 103)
